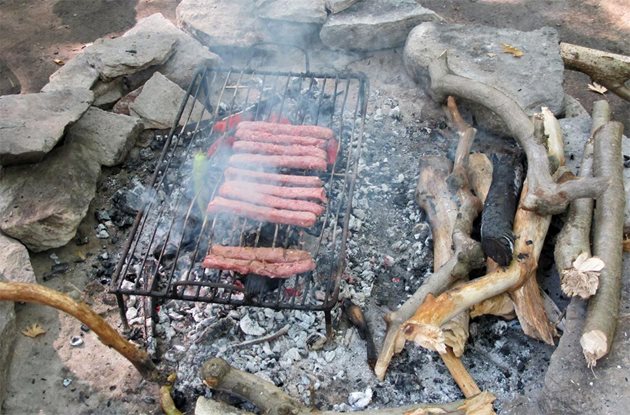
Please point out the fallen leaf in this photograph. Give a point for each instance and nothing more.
(491, 55)
(595, 87)
(34, 330)
(59, 62)
(626, 245)
(512, 50)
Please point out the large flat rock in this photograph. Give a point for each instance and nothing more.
(130, 54)
(374, 24)
(189, 52)
(76, 73)
(32, 124)
(476, 52)
(7, 342)
(15, 264)
(159, 102)
(109, 136)
(221, 24)
(42, 205)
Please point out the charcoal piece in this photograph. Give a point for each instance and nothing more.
(497, 218)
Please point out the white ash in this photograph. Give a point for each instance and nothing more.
(389, 254)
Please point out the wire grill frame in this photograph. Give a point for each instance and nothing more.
(335, 100)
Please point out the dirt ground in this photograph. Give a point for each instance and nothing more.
(37, 32)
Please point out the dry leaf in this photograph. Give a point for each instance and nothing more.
(512, 50)
(595, 87)
(34, 330)
(626, 245)
(491, 55)
(59, 62)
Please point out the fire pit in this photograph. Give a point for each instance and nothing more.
(163, 256)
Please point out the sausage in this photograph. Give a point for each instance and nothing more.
(284, 139)
(312, 193)
(271, 270)
(302, 130)
(289, 162)
(230, 191)
(261, 213)
(254, 147)
(260, 254)
(232, 173)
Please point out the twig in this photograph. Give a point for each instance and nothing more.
(451, 208)
(601, 318)
(35, 293)
(284, 330)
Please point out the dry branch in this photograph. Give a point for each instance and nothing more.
(603, 307)
(607, 69)
(451, 208)
(544, 195)
(35, 293)
(219, 375)
(574, 238)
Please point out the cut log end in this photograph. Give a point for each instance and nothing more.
(576, 283)
(426, 335)
(594, 346)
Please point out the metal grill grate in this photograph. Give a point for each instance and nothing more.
(171, 234)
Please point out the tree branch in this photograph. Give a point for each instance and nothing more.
(35, 293)
(607, 69)
(544, 195)
(603, 307)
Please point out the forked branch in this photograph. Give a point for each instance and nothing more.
(544, 195)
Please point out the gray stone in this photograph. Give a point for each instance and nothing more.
(7, 342)
(221, 23)
(109, 136)
(298, 11)
(475, 52)
(32, 124)
(15, 264)
(76, 73)
(336, 6)
(130, 54)
(9, 83)
(159, 102)
(42, 205)
(107, 93)
(374, 24)
(189, 53)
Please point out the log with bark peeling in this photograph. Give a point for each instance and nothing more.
(271, 400)
(544, 195)
(603, 307)
(38, 294)
(579, 272)
(445, 196)
(608, 69)
(518, 279)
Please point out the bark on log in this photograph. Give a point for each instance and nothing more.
(219, 375)
(608, 69)
(545, 196)
(451, 208)
(574, 238)
(603, 307)
(35, 293)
